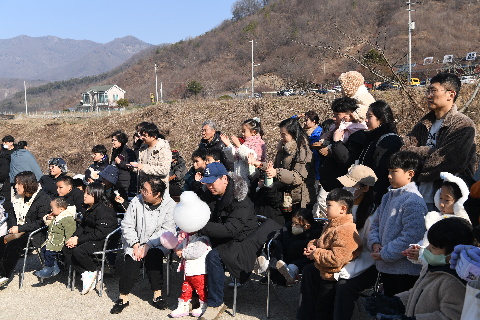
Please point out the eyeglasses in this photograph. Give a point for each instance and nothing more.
(144, 192)
(432, 92)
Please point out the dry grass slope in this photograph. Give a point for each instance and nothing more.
(72, 139)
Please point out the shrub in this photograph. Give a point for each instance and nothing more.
(225, 97)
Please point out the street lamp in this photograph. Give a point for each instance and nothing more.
(253, 65)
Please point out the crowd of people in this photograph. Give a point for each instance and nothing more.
(346, 205)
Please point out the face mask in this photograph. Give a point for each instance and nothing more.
(434, 259)
(5, 146)
(297, 230)
(352, 190)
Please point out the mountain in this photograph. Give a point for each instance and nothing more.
(221, 58)
(53, 58)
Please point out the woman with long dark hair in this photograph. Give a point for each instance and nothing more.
(30, 204)
(382, 141)
(98, 221)
(294, 168)
(121, 157)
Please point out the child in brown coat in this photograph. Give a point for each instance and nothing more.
(338, 245)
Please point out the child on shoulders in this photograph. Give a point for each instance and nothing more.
(400, 221)
(61, 226)
(338, 245)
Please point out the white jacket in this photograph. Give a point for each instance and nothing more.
(193, 261)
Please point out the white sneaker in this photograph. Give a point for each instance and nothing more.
(88, 279)
(200, 310)
(3, 281)
(182, 309)
(261, 264)
(290, 272)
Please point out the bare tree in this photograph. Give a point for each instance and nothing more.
(243, 8)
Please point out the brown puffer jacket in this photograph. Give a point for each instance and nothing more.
(438, 294)
(300, 175)
(337, 246)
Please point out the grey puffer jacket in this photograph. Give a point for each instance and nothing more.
(145, 226)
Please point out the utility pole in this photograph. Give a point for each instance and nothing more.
(156, 82)
(26, 106)
(161, 91)
(411, 26)
(253, 65)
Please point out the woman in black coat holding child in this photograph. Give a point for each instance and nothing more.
(30, 204)
(121, 156)
(98, 221)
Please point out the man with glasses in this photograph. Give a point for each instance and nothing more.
(444, 137)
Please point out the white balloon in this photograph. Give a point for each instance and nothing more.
(191, 214)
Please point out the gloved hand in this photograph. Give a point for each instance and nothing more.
(381, 316)
(380, 303)
(465, 259)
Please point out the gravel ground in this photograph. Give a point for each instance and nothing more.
(52, 300)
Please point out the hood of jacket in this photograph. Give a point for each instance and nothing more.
(237, 189)
(458, 209)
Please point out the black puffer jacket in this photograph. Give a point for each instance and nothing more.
(34, 217)
(289, 247)
(233, 228)
(5, 190)
(49, 184)
(179, 169)
(97, 223)
(381, 143)
(124, 176)
(75, 198)
(217, 143)
(342, 157)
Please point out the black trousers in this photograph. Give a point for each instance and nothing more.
(396, 283)
(347, 292)
(10, 253)
(80, 257)
(317, 296)
(131, 268)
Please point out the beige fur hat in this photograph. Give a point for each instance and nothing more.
(350, 82)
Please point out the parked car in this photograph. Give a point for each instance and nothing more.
(414, 82)
(384, 86)
(368, 85)
(467, 79)
(423, 83)
(322, 91)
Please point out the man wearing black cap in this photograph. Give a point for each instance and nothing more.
(231, 222)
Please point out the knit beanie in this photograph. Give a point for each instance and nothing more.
(110, 173)
(353, 87)
(59, 162)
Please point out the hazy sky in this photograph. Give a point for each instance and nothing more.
(102, 21)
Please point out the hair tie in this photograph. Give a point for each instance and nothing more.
(256, 119)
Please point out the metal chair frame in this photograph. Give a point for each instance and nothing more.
(323, 220)
(4, 219)
(102, 254)
(27, 247)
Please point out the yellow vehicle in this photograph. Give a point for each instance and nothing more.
(414, 81)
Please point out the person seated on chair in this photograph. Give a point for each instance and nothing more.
(149, 215)
(115, 194)
(287, 259)
(231, 222)
(61, 226)
(98, 221)
(30, 204)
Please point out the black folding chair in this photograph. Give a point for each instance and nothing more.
(28, 248)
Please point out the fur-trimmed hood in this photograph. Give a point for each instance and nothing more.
(289, 147)
(458, 209)
(240, 187)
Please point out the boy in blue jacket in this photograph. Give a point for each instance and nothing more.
(400, 221)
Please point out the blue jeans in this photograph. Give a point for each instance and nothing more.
(216, 278)
(50, 256)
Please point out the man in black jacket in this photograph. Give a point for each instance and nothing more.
(211, 140)
(232, 220)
